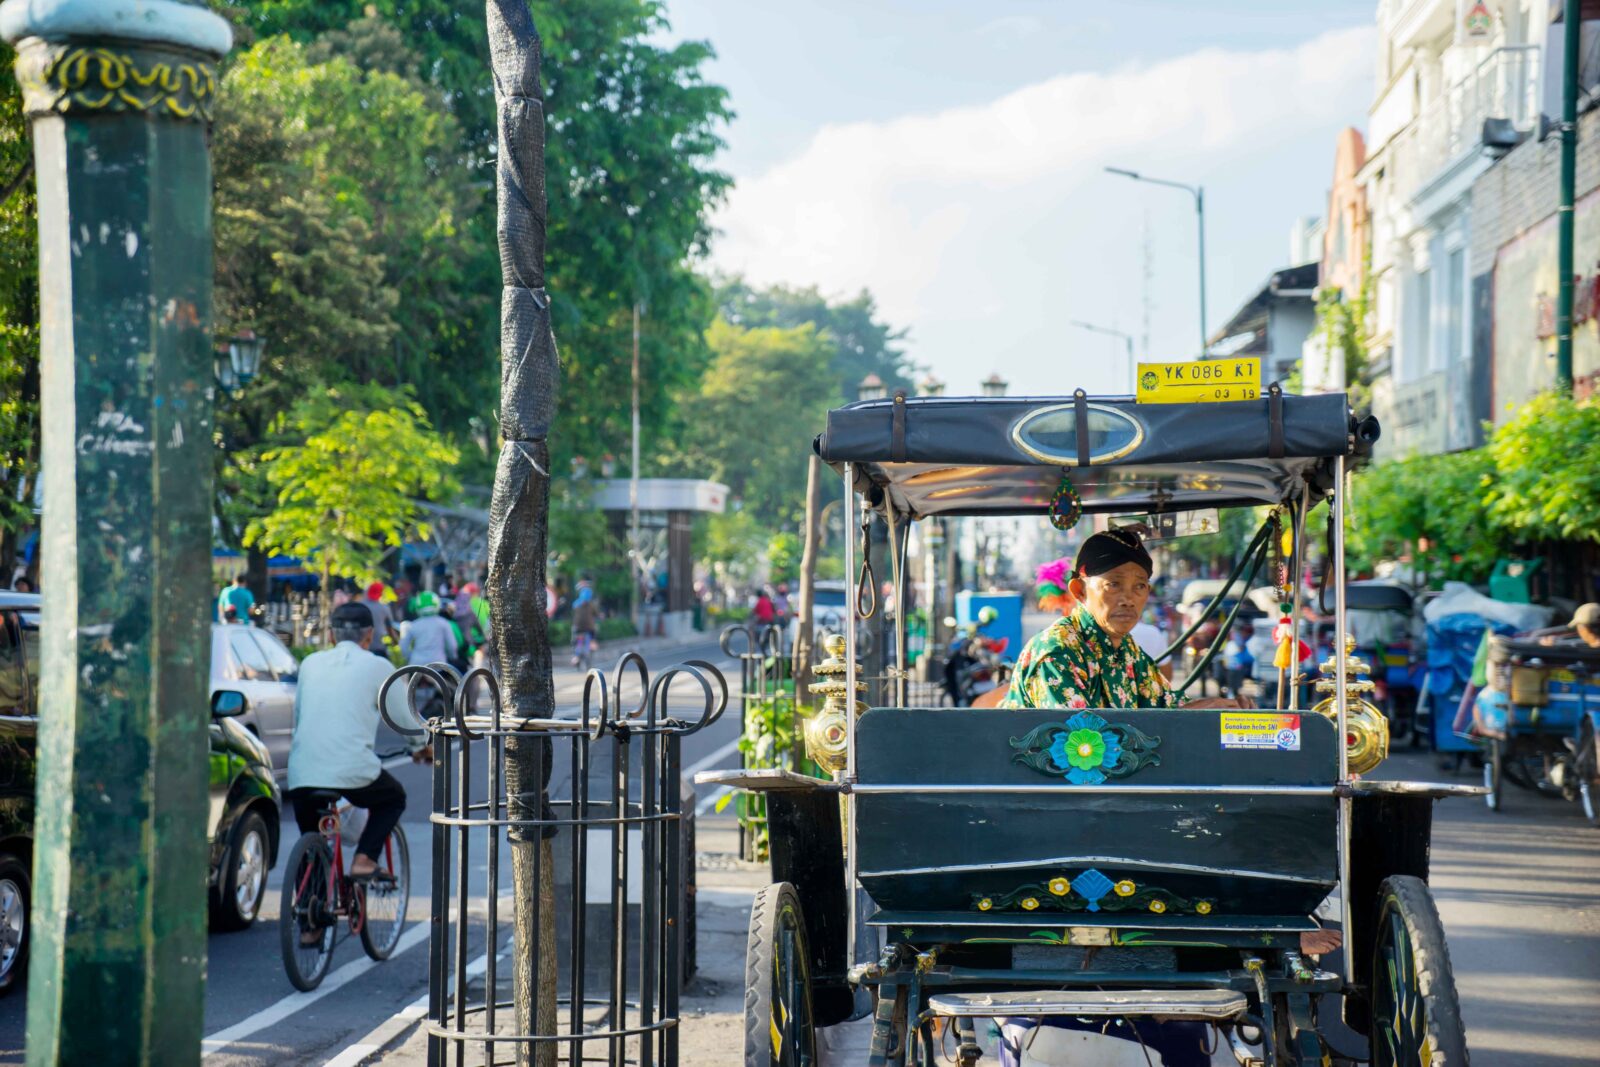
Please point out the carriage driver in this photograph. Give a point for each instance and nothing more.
(1089, 660)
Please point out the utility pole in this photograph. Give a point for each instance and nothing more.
(635, 565)
(119, 94)
(1569, 181)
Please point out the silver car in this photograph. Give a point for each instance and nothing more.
(254, 662)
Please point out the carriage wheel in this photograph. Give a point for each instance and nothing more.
(1416, 1018)
(778, 1027)
(1493, 774)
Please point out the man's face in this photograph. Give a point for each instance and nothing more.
(1116, 598)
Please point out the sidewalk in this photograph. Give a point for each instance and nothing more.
(712, 1031)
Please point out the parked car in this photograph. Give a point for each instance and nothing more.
(254, 662)
(244, 799)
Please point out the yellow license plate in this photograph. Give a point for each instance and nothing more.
(1202, 381)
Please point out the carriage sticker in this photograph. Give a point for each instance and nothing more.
(1278, 733)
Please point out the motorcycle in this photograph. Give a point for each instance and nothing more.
(973, 663)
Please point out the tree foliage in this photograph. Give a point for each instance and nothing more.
(1546, 484)
(756, 410)
(346, 495)
(860, 344)
(632, 127)
(19, 321)
(1430, 509)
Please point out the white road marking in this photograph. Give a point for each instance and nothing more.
(385, 1034)
(711, 799)
(295, 1002)
(715, 757)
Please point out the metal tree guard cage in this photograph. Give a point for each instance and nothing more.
(594, 803)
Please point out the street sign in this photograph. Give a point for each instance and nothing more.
(1206, 380)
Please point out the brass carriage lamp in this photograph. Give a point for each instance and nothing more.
(827, 732)
(1367, 730)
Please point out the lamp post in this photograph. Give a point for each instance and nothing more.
(119, 95)
(871, 388)
(994, 385)
(930, 386)
(1126, 338)
(1199, 194)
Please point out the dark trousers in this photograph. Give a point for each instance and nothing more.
(385, 801)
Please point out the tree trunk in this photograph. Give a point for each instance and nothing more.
(805, 614)
(519, 512)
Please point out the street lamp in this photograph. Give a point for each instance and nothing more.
(871, 388)
(994, 385)
(237, 363)
(930, 386)
(1199, 194)
(1127, 339)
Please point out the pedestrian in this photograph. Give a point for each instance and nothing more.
(236, 597)
(383, 627)
(585, 622)
(1148, 636)
(780, 603)
(464, 647)
(1237, 661)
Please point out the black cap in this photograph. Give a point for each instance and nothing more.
(351, 614)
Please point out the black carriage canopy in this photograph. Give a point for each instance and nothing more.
(1005, 456)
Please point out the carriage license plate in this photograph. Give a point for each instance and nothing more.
(1201, 381)
(1278, 733)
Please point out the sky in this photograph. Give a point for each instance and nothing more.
(949, 158)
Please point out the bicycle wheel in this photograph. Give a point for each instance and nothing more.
(384, 899)
(305, 911)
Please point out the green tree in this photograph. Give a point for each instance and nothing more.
(19, 322)
(632, 128)
(346, 496)
(1546, 484)
(783, 556)
(1430, 509)
(756, 410)
(861, 344)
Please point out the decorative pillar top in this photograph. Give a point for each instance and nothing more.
(173, 23)
(87, 57)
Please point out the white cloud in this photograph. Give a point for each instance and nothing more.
(1004, 205)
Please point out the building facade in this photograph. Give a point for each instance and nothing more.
(1344, 255)
(1455, 90)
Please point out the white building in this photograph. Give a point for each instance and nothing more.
(1450, 74)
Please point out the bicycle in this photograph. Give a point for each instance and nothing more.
(583, 649)
(317, 894)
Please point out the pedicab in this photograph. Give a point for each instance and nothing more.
(1125, 868)
(1537, 719)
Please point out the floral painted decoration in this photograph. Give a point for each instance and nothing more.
(1086, 750)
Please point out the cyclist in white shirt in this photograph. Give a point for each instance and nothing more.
(335, 730)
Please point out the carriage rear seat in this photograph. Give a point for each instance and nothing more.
(1210, 1004)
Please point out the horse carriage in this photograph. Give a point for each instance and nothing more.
(967, 872)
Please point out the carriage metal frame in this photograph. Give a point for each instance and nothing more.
(881, 875)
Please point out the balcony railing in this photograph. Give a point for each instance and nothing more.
(1504, 86)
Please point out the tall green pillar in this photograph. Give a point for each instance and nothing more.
(119, 94)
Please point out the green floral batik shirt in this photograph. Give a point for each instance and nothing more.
(1073, 664)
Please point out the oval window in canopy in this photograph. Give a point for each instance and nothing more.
(1050, 434)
